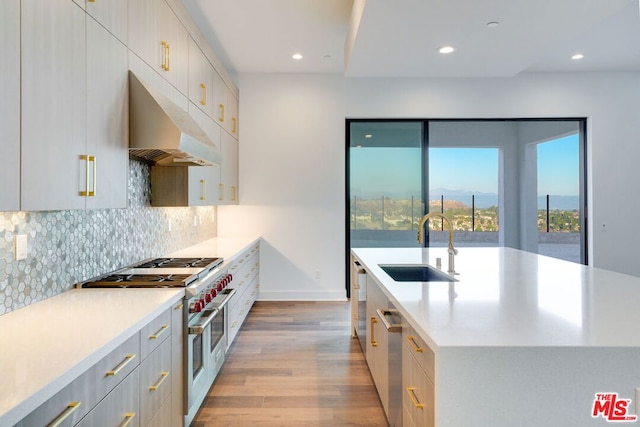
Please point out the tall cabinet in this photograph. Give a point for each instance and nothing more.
(10, 105)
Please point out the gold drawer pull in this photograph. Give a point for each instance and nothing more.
(234, 129)
(127, 418)
(70, 409)
(203, 101)
(221, 118)
(374, 343)
(128, 358)
(414, 344)
(179, 306)
(163, 376)
(221, 191)
(161, 331)
(411, 391)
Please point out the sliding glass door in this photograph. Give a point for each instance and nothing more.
(517, 183)
(385, 182)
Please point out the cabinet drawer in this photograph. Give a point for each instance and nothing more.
(418, 391)
(420, 350)
(120, 407)
(156, 331)
(155, 382)
(163, 418)
(76, 400)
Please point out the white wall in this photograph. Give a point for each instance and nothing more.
(292, 155)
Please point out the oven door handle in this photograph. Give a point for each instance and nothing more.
(199, 328)
(230, 294)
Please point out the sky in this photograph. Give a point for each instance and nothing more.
(397, 170)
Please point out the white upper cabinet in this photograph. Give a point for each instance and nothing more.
(226, 107)
(10, 105)
(74, 110)
(158, 37)
(201, 82)
(53, 93)
(111, 14)
(107, 117)
(229, 175)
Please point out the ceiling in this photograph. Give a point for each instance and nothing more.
(400, 38)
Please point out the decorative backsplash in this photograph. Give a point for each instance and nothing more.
(66, 247)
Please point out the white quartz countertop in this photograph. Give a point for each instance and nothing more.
(45, 346)
(225, 247)
(507, 297)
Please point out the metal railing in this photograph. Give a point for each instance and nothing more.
(386, 213)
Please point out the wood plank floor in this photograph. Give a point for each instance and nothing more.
(294, 364)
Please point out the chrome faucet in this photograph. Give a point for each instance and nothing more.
(452, 251)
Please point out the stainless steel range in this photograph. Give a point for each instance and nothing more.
(205, 318)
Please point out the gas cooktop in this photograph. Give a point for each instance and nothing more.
(156, 273)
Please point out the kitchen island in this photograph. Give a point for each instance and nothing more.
(518, 338)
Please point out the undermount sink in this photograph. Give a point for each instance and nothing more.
(415, 273)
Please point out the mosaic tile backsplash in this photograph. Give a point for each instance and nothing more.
(67, 247)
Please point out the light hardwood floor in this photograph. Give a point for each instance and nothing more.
(294, 364)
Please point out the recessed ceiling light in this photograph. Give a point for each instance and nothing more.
(367, 135)
(577, 56)
(446, 49)
(297, 56)
(492, 24)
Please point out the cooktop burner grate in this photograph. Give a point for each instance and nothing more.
(178, 263)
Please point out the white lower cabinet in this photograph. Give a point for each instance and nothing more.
(245, 269)
(155, 383)
(417, 381)
(176, 417)
(119, 408)
(132, 385)
(73, 402)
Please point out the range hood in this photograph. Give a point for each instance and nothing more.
(163, 133)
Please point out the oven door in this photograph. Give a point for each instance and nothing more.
(217, 342)
(198, 357)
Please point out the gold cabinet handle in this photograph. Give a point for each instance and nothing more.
(128, 358)
(165, 56)
(233, 193)
(94, 160)
(70, 409)
(179, 306)
(203, 189)
(203, 101)
(234, 129)
(234, 324)
(414, 344)
(411, 391)
(221, 112)
(161, 331)
(374, 343)
(163, 376)
(221, 188)
(86, 175)
(128, 417)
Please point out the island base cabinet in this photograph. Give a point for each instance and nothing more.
(417, 383)
(120, 407)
